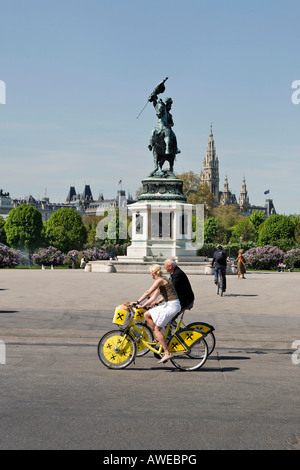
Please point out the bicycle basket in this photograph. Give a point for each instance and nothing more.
(139, 314)
(122, 315)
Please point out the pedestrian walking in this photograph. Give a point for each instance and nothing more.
(241, 264)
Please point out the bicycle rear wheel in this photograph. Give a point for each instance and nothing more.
(210, 341)
(209, 338)
(193, 360)
(116, 349)
(220, 284)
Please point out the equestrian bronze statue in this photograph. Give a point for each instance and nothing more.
(163, 141)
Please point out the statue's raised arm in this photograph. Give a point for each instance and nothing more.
(160, 88)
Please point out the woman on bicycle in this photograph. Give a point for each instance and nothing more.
(158, 317)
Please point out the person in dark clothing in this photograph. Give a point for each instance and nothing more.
(181, 283)
(219, 261)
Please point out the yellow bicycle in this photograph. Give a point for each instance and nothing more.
(117, 349)
(174, 326)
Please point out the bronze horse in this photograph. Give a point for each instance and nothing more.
(163, 141)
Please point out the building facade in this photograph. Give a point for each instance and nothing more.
(83, 203)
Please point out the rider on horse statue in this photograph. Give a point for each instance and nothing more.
(163, 141)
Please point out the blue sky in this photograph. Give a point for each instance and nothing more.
(77, 73)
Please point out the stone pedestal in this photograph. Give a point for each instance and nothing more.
(161, 221)
(161, 228)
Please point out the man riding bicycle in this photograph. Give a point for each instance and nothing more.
(219, 261)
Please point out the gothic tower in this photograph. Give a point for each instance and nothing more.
(227, 198)
(210, 170)
(224, 198)
(244, 198)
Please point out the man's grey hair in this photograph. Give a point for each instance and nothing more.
(171, 262)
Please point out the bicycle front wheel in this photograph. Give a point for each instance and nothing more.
(193, 360)
(146, 331)
(116, 349)
(220, 284)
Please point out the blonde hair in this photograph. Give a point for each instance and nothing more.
(241, 251)
(156, 269)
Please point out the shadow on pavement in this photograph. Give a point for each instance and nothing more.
(241, 295)
(8, 311)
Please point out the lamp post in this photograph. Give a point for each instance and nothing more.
(241, 239)
(229, 245)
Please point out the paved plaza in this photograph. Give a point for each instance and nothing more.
(55, 393)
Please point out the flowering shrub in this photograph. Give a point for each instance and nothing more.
(48, 256)
(8, 257)
(117, 249)
(292, 258)
(73, 257)
(120, 249)
(94, 254)
(263, 257)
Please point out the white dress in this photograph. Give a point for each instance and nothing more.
(162, 314)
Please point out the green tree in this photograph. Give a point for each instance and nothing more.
(2, 231)
(24, 228)
(211, 230)
(257, 219)
(90, 222)
(228, 217)
(244, 229)
(276, 229)
(296, 220)
(65, 230)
